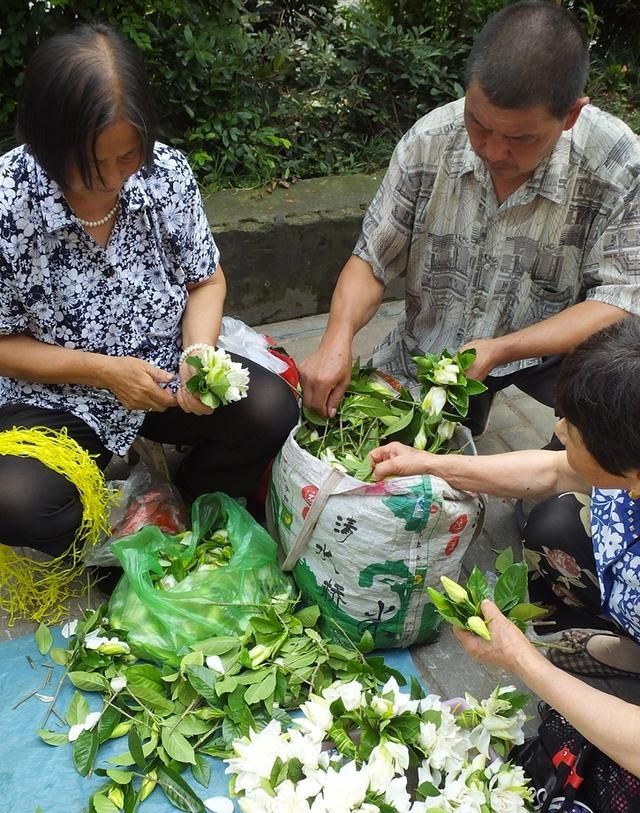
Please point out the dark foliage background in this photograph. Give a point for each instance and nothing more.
(259, 90)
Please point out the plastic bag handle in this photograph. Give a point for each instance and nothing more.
(310, 521)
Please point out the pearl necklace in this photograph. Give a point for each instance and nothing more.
(92, 224)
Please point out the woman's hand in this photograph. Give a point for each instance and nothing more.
(137, 384)
(186, 400)
(397, 460)
(508, 646)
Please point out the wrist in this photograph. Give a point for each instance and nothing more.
(195, 348)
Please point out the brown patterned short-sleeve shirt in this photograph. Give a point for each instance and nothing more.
(477, 269)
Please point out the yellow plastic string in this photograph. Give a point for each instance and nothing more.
(40, 591)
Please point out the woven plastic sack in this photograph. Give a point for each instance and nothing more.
(164, 624)
(365, 552)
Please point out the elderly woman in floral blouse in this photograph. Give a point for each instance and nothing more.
(109, 279)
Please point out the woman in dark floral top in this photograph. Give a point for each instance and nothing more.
(108, 273)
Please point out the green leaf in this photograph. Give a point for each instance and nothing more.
(417, 692)
(135, 748)
(426, 789)
(107, 723)
(201, 771)
(120, 777)
(511, 587)
(77, 710)
(217, 646)
(366, 643)
(475, 387)
(102, 804)
(398, 425)
(262, 690)
(465, 359)
(204, 682)
(89, 681)
(526, 612)
(504, 559)
(308, 616)
(177, 746)
(59, 655)
(85, 749)
(53, 737)
(44, 639)
(478, 586)
(178, 792)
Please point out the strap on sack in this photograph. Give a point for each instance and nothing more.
(310, 521)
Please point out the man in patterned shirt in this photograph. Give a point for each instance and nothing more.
(513, 213)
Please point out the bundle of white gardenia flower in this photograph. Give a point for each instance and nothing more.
(218, 380)
(351, 750)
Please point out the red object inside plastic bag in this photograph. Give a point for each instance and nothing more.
(160, 506)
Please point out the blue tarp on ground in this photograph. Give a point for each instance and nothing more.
(33, 774)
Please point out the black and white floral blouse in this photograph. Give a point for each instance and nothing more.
(58, 285)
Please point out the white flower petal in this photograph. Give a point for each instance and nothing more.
(219, 804)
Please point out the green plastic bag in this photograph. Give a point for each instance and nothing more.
(164, 624)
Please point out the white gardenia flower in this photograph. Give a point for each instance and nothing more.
(387, 759)
(105, 645)
(288, 799)
(88, 723)
(255, 756)
(434, 401)
(446, 372)
(69, 628)
(396, 795)
(401, 700)
(342, 790)
(118, 683)
(350, 694)
(215, 662)
(317, 718)
(168, 582)
(257, 801)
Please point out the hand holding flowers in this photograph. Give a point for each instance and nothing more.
(460, 605)
(218, 380)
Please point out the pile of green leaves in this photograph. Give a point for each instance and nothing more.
(173, 718)
(376, 410)
(460, 605)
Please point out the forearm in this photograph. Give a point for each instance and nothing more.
(534, 474)
(203, 312)
(558, 334)
(609, 723)
(355, 301)
(24, 358)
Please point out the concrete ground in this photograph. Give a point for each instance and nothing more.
(517, 422)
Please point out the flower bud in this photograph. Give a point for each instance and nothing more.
(147, 785)
(455, 591)
(434, 401)
(258, 654)
(477, 625)
(116, 796)
(420, 440)
(121, 729)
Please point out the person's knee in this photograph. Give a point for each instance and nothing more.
(551, 523)
(40, 510)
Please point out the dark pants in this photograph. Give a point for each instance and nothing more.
(228, 451)
(539, 382)
(562, 571)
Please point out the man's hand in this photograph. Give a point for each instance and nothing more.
(397, 460)
(324, 377)
(137, 384)
(487, 357)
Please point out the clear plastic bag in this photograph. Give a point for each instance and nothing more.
(236, 337)
(142, 500)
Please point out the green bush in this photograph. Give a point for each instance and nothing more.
(257, 90)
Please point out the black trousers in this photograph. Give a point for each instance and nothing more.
(227, 451)
(539, 382)
(558, 550)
